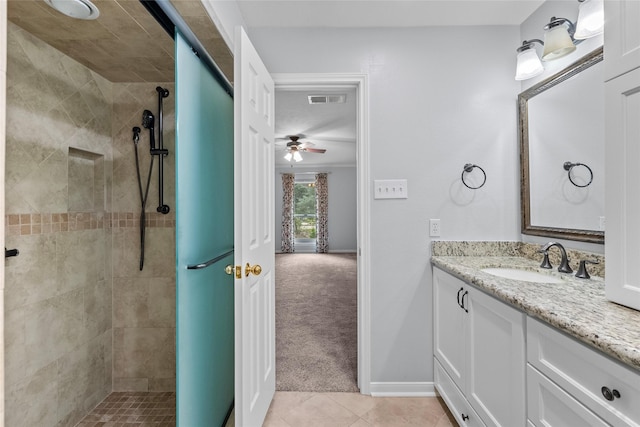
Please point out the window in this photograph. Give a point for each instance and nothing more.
(304, 212)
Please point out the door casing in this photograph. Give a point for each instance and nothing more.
(312, 81)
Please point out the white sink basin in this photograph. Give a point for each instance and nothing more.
(523, 275)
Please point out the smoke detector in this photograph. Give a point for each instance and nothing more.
(328, 99)
(79, 9)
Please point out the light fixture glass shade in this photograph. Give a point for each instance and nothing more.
(296, 156)
(557, 43)
(528, 64)
(288, 156)
(590, 19)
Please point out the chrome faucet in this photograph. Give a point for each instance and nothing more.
(564, 261)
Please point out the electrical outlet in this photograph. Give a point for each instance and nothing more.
(434, 228)
(390, 189)
(603, 223)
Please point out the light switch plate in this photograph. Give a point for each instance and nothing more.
(390, 189)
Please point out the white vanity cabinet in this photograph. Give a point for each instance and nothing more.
(621, 37)
(479, 354)
(622, 186)
(622, 142)
(571, 384)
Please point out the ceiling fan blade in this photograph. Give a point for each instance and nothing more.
(315, 150)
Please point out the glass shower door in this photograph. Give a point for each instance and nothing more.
(204, 244)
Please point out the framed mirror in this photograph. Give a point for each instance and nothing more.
(561, 135)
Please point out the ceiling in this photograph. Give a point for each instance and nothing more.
(384, 13)
(125, 43)
(328, 126)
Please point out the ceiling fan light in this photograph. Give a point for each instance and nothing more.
(288, 156)
(557, 43)
(590, 19)
(296, 156)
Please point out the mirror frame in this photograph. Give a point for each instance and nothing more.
(523, 136)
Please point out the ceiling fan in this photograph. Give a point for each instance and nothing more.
(295, 147)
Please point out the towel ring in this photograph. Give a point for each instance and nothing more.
(568, 166)
(468, 168)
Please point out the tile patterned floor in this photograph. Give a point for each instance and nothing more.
(288, 409)
(302, 409)
(128, 409)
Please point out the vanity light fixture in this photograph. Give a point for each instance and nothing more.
(528, 62)
(590, 19)
(558, 39)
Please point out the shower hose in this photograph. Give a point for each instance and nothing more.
(143, 196)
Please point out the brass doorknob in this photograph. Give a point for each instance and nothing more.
(256, 269)
(229, 269)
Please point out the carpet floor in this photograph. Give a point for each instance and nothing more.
(316, 322)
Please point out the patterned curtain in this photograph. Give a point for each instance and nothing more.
(322, 211)
(288, 182)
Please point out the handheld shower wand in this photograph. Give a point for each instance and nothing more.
(147, 122)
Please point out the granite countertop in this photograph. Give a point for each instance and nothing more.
(576, 306)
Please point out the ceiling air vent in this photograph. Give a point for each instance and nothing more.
(328, 99)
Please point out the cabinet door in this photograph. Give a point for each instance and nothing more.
(449, 325)
(622, 188)
(621, 37)
(497, 361)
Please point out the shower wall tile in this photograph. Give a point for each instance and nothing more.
(77, 370)
(159, 254)
(143, 301)
(33, 401)
(58, 304)
(14, 346)
(131, 384)
(30, 277)
(162, 384)
(144, 352)
(97, 309)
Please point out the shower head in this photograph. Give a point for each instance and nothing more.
(147, 122)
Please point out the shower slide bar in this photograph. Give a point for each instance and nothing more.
(210, 262)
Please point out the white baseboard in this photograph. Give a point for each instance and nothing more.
(343, 251)
(422, 389)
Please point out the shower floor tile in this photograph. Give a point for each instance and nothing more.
(125, 409)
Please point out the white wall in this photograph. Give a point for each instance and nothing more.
(440, 97)
(342, 221)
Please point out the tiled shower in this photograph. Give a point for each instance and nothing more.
(81, 320)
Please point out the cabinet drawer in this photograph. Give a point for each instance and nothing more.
(454, 399)
(583, 372)
(550, 406)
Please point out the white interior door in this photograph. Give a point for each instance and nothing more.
(254, 241)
